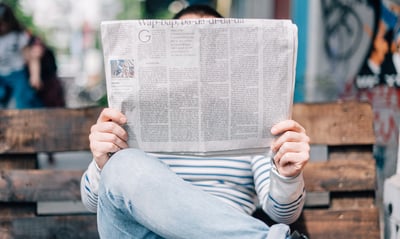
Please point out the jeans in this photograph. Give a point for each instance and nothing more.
(140, 197)
(22, 92)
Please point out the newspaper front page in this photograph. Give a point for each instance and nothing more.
(200, 86)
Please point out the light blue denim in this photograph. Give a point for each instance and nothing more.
(140, 197)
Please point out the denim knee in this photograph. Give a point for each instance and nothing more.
(126, 168)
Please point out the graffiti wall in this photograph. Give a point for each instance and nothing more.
(377, 79)
(337, 43)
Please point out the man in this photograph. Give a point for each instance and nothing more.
(142, 195)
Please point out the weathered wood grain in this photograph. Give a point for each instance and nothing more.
(338, 123)
(18, 161)
(340, 175)
(334, 224)
(60, 227)
(45, 130)
(39, 185)
(13, 210)
(52, 185)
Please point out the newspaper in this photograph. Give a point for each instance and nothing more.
(200, 86)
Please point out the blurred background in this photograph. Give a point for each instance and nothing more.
(71, 28)
(324, 63)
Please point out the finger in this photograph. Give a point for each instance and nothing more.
(287, 125)
(100, 149)
(291, 164)
(298, 159)
(108, 138)
(289, 136)
(291, 147)
(109, 114)
(100, 152)
(110, 127)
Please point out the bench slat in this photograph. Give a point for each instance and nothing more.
(44, 185)
(63, 227)
(334, 223)
(340, 175)
(18, 161)
(336, 123)
(46, 130)
(318, 223)
(12, 210)
(326, 224)
(39, 185)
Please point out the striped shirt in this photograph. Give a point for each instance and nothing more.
(244, 182)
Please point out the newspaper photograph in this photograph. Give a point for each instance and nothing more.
(210, 86)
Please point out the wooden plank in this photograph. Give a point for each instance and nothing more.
(61, 227)
(13, 210)
(341, 200)
(338, 123)
(53, 129)
(350, 152)
(340, 175)
(333, 224)
(46, 130)
(39, 185)
(18, 161)
(353, 200)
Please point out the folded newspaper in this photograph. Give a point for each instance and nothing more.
(200, 86)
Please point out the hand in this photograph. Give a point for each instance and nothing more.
(107, 135)
(291, 148)
(35, 82)
(33, 54)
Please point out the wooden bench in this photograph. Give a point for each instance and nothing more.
(341, 175)
(340, 179)
(23, 186)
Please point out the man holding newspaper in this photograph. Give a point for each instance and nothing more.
(137, 194)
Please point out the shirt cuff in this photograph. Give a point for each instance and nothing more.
(285, 189)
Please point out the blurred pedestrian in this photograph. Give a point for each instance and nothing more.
(14, 54)
(51, 91)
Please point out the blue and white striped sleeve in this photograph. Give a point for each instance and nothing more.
(90, 186)
(282, 198)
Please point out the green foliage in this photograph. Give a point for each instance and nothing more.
(136, 9)
(131, 9)
(103, 101)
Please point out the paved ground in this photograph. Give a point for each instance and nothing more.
(67, 160)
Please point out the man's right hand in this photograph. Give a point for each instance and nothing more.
(107, 135)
